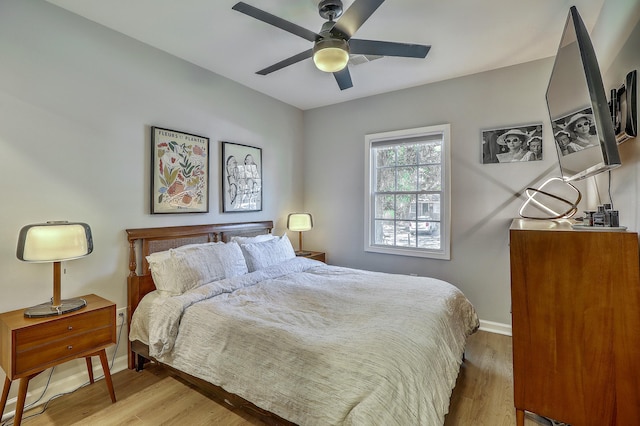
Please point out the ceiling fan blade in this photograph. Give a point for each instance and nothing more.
(286, 62)
(387, 48)
(355, 16)
(276, 21)
(343, 78)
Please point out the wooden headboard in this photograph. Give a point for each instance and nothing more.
(144, 241)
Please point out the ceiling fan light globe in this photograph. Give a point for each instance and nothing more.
(331, 55)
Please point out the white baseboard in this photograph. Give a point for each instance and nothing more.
(64, 380)
(495, 327)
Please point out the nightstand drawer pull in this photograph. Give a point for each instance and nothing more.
(70, 327)
(70, 347)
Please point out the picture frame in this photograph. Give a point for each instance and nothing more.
(495, 146)
(179, 172)
(242, 183)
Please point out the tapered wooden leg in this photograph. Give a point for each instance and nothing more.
(5, 395)
(89, 369)
(22, 397)
(107, 374)
(519, 417)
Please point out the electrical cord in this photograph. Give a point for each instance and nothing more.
(597, 189)
(9, 421)
(609, 191)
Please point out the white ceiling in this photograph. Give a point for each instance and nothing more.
(467, 36)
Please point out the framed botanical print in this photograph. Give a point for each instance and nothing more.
(179, 172)
(241, 178)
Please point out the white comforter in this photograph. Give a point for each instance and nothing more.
(321, 345)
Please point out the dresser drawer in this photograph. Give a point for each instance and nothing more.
(65, 327)
(66, 347)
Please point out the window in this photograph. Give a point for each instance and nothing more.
(408, 192)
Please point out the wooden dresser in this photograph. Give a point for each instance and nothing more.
(576, 323)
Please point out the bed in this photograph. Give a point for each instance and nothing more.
(293, 340)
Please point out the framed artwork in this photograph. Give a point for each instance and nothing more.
(512, 144)
(179, 172)
(241, 178)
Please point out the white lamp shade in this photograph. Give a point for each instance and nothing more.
(299, 222)
(54, 242)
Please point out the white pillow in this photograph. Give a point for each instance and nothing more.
(249, 240)
(266, 253)
(177, 270)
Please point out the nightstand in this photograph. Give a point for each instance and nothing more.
(28, 346)
(316, 255)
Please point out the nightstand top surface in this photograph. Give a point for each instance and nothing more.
(16, 319)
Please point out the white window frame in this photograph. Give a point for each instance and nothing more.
(444, 253)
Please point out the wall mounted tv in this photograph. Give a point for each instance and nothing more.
(578, 108)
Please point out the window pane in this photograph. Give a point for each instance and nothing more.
(384, 207)
(428, 235)
(406, 206)
(407, 154)
(403, 237)
(385, 156)
(385, 180)
(430, 152)
(407, 178)
(430, 178)
(429, 206)
(384, 232)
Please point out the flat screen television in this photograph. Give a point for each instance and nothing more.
(578, 109)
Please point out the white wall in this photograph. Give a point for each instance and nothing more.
(76, 104)
(484, 197)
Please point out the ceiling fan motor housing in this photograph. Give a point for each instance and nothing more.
(330, 9)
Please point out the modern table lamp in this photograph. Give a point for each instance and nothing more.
(300, 222)
(54, 242)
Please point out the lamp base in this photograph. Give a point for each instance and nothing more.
(49, 310)
(303, 253)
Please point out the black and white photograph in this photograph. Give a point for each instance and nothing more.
(575, 132)
(241, 178)
(512, 144)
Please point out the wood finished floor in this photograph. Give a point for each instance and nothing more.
(483, 396)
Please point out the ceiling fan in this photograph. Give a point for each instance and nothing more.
(333, 44)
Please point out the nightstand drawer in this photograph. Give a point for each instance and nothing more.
(57, 350)
(315, 255)
(65, 327)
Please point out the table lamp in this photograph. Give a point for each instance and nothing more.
(300, 222)
(55, 242)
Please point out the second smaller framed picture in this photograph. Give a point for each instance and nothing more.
(241, 178)
(512, 144)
